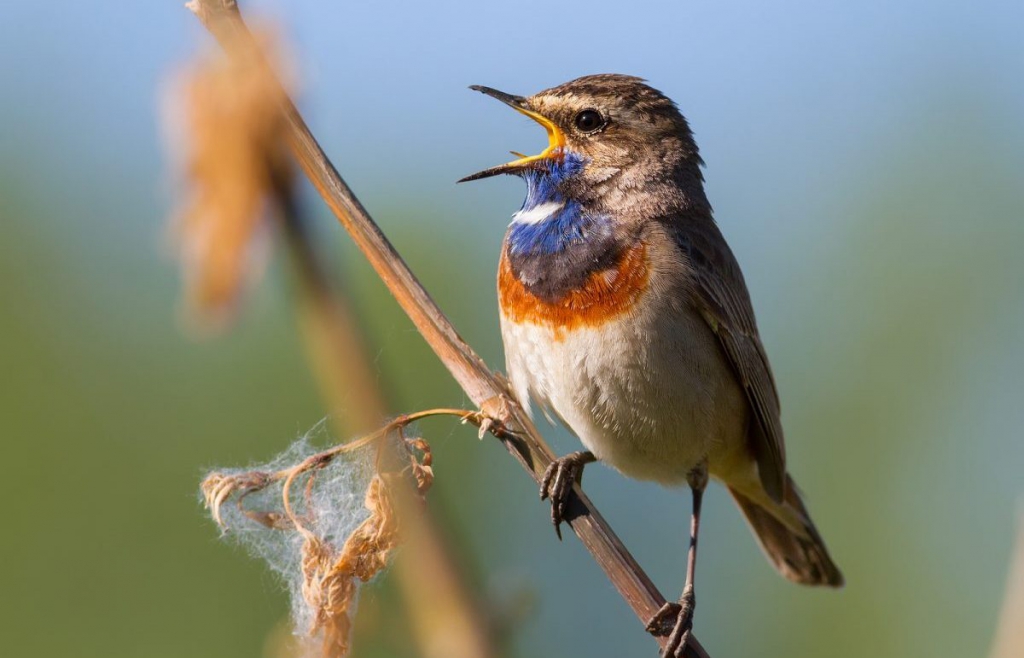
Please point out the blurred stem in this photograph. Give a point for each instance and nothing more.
(1009, 642)
(486, 389)
(335, 347)
(446, 617)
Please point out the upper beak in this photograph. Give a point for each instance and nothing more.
(556, 138)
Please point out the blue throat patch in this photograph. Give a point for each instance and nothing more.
(565, 225)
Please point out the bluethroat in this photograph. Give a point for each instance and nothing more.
(624, 313)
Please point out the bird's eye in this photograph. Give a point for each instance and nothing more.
(588, 121)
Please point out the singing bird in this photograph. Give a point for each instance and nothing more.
(624, 312)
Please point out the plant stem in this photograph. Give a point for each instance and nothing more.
(447, 619)
(483, 387)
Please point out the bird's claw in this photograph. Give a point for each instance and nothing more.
(676, 621)
(557, 483)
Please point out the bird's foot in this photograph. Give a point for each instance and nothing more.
(676, 621)
(558, 480)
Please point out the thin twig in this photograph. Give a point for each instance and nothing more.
(483, 387)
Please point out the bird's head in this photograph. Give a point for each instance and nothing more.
(608, 135)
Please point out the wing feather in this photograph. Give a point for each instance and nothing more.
(725, 303)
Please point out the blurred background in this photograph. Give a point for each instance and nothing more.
(865, 161)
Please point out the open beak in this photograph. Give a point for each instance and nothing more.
(556, 139)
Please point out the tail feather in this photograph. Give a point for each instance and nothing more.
(789, 538)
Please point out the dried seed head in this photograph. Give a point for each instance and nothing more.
(302, 514)
(227, 126)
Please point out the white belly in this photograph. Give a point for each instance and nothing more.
(649, 393)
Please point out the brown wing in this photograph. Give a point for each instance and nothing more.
(726, 306)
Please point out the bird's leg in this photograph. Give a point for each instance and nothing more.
(557, 483)
(676, 619)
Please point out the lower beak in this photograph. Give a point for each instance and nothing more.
(556, 138)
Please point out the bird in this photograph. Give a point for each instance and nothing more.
(624, 314)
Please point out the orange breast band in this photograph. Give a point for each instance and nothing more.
(604, 295)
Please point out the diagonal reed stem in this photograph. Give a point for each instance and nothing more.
(447, 619)
(486, 389)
